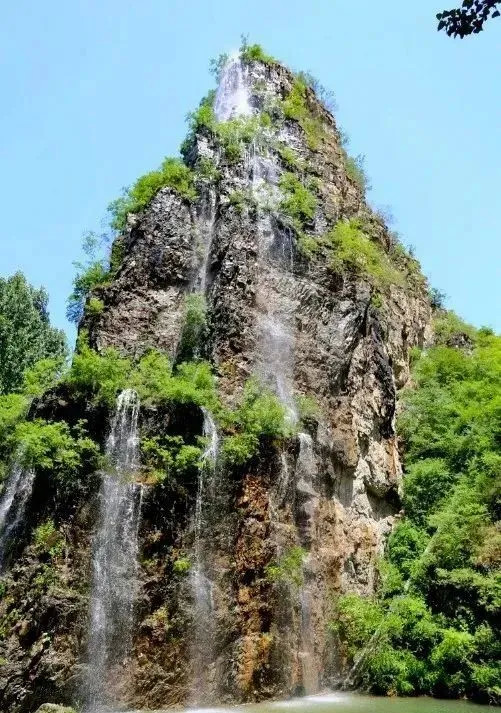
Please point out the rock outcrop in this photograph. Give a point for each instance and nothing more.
(306, 328)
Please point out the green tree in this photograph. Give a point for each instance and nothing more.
(26, 335)
(469, 18)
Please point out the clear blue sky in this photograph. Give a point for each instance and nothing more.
(95, 93)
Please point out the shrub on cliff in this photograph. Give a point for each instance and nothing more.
(354, 251)
(173, 173)
(55, 448)
(195, 327)
(295, 106)
(260, 415)
(299, 203)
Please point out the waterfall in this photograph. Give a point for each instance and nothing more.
(306, 471)
(309, 671)
(232, 97)
(13, 505)
(115, 585)
(201, 585)
(207, 222)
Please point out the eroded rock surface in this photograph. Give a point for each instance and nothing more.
(334, 491)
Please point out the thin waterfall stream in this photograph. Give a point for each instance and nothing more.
(114, 565)
(277, 348)
(201, 585)
(13, 504)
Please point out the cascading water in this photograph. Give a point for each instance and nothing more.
(232, 97)
(276, 353)
(207, 223)
(201, 585)
(13, 505)
(306, 470)
(115, 585)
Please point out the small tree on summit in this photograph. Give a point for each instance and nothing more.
(469, 18)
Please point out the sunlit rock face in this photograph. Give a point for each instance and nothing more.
(227, 631)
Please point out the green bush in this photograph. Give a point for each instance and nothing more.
(255, 53)
(170, 457)
(355, 170)
(295, 106)
(259, 415)
(356, 621)
(42, 376)
(299, 203)
(239, 449)
(448, 326)
(13, 408)
(308, 245)
(56, 448)
(288, 568)
(94, 307)
(87, 278)
(195, 327)
(290, 158)
(241, 199)
(48, 540)
(439, 607)
(181, 566)
(324, 95)
(261, 412)
(173, 173)
(99, 376)
(427, 483)
(237, 133)
(354, 251)
(207, 171)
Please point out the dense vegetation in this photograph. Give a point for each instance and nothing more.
(434, 628)
(25, 331)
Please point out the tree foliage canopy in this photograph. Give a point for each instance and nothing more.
(469, 18)
(26, 334)
(434, 627)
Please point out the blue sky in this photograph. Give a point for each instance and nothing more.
(95, 93)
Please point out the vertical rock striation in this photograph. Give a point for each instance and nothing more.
(306, 327)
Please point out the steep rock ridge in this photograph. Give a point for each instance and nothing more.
(282, 312)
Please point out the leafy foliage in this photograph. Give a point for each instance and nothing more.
(355, 170)
(195, 327)
(48, 540)
(88, 277)
(295, 106)
(169, 457)
(299, 203)
(260, 415)
(435, 627)
(469, 18)
(288, 568)
(290, 158)
(26, 335)
(55, 448)
(173, 173)
(99, 376)
(354, 251)
(448, 327)
(254, 53)
(325, 96)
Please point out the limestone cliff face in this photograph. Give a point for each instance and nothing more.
(305, 329)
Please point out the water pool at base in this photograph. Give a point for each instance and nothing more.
(341, 702)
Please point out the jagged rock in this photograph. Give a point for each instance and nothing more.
(270, 310)
(54, 708)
